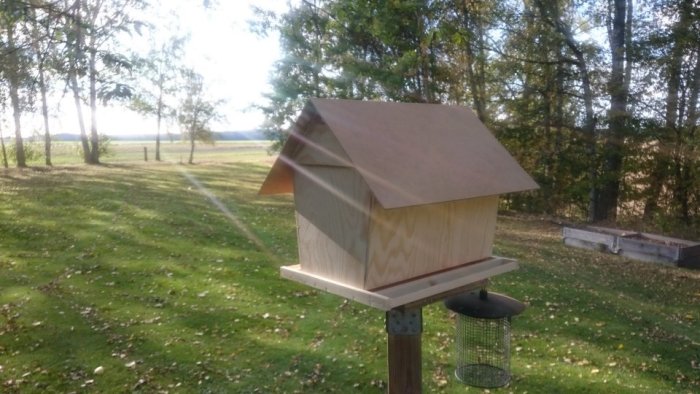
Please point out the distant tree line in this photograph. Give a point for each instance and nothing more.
(72, 48)
(598, 100)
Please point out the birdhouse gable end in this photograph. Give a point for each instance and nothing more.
(409, 154)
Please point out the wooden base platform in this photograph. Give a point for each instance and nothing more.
(415, 292)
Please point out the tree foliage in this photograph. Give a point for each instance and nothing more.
(597, 100)
(196, 112)
(14, 66)
(95, 25)
(43, 42)
(158, 82)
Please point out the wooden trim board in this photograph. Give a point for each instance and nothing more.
(604, 241)
(638, 246)
(407, 292)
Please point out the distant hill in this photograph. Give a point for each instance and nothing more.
(65, 137)
(218, 136)
(240, 135)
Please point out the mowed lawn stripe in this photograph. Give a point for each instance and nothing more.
(127, 278)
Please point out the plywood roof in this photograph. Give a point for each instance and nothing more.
(408, 153)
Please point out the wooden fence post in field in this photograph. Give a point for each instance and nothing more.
(145, 153)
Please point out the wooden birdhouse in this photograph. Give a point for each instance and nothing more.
(391, 193)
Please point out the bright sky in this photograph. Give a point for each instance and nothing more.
(235, 63)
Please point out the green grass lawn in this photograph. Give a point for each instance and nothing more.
(161, 277)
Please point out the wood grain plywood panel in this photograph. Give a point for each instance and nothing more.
(421, 291)
(320, 147)
(406, 243)
(332, 222)
(460, 158)
(325, 258)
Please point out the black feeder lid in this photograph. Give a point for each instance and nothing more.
(484, 305)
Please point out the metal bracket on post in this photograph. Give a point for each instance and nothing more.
(404, 327)
(404, 321)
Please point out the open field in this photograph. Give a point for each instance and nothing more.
(161, 277)
(70, 152)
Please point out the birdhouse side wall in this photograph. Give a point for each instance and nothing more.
(406, 243)
(332, 206)
(320, 147)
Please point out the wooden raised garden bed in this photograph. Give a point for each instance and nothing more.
(638, 246)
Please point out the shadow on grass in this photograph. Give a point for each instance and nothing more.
(131, 268)
(119, 263)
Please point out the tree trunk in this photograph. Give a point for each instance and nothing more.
(559, 130)
(628, 45)
(684, 178)
(159, 115)
(45, 114)
(423, 91)
(191, 160)
(655, 185)
(158, 141)
(472, 69)
(92, 72)
(613, 152)
(473, 85)
(4, 151)
(472, 79)
(81, 120)
(16, 112)
(481, 63)
(75, 59)
(589, 122)
(41, 60)
(13, 81)
(660, 173)
(193, 134)
(547, 159)
(682, 191)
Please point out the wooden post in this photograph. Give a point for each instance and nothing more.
(404, 327)
(145, 153)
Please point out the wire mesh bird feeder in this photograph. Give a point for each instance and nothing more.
(483, 337)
